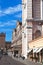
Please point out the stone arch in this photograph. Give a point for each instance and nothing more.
(37, 33)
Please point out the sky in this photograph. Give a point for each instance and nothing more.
(10, 12)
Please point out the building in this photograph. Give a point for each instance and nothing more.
(2, 40)
(29, 42)
(17, 39)
(36, 50)
(7, 45)
(32, 22)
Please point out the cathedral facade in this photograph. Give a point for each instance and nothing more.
(32, 22)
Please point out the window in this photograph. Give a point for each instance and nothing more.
(41, 9)
(24, 35)
(24, 4)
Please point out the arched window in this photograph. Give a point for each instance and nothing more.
(37, 33)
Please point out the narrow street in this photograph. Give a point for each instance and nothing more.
(6, 60)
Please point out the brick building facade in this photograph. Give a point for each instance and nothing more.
(7, 45)
(2, 40)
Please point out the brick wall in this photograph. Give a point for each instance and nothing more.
(2, 41)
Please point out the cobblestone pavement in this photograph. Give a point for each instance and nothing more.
(27, 62)
(6, 60)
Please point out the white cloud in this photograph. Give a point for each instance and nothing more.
(1, 24)
(1, 13)
(18, 15)
(8, 23)
(6, 30)
(11, 10)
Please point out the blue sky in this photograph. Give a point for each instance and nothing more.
(10, 12)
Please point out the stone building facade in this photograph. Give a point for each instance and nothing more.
(32, 28)
(17, 39)
(32, 22)
(36, 50)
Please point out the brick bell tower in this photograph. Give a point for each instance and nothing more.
(2, 40)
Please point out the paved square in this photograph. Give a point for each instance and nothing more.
(6, 60)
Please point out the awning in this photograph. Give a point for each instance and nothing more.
(35, 50)
(39, 50)
(29, 50)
